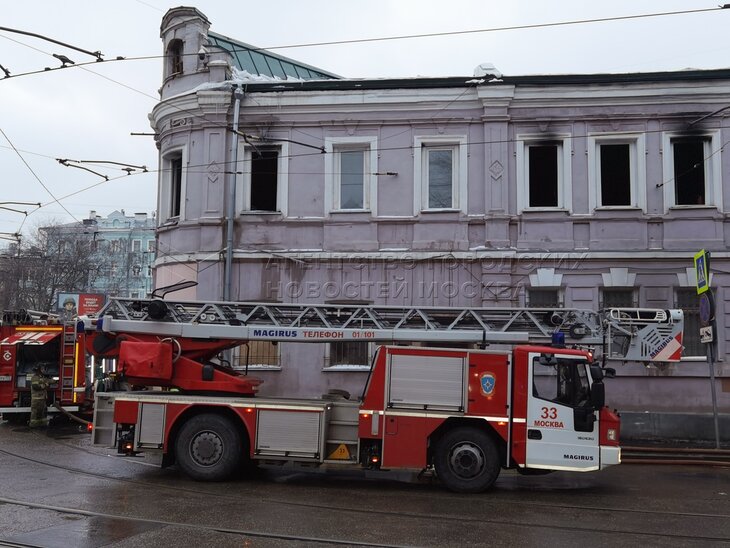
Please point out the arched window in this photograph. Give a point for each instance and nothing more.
(174, 56)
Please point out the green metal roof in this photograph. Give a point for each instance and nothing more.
(258, 61)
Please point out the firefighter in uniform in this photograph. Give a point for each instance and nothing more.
(38, 396)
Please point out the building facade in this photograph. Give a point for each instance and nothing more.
(124, 248)
(569, 190)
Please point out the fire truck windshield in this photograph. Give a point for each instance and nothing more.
(564, 381)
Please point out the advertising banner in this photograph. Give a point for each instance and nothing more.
(71, 305)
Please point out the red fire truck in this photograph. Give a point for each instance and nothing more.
(537, 404)
(29, 340)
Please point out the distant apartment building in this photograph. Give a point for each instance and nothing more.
(124, 248)
(581, 191)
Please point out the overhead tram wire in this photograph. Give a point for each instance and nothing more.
(154, 98)
(364, 40)
(494, 29)
(399, 37)
(96, 54)
(48, 190)
(305, 154)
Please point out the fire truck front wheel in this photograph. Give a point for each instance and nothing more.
(209, 448)
(467, 460)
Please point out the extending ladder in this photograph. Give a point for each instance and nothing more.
(68, 361)
(630, 334)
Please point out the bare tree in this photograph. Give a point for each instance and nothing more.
(53, 259)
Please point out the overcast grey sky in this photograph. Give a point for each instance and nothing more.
(87, 113)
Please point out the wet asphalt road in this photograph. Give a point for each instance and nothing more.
(58, 491)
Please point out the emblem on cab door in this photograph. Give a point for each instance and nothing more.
(487, 383)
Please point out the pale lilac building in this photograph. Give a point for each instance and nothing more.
(486, 190)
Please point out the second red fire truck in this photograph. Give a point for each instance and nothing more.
(31, 341)
(536, 404)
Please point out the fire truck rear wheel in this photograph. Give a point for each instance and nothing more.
(467, 460)
(209, 448)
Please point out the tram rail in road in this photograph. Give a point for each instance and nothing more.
(675, 455)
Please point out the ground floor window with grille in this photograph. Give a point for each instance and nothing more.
(348, 354)
(257, 355)
(618, 298)
(543, 298)
(688, 300)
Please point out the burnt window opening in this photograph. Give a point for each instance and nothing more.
(175, 56)
(543, 174)
(175, 186)
(689, 171)
(615, 175)
(264, 177)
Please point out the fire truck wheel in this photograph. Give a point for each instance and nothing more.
(208, 448)
(467, 460)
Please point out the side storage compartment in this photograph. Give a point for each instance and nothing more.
(342, 444)
(104, 432)
(291, 434)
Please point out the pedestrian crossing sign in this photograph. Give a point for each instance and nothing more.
(702, 269)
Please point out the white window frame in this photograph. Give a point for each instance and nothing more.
(164, 203)
(565, 195)
(637, 167)
(332, 146)
(243, 179)
(713, 171)
(139, 246)
(458, 143)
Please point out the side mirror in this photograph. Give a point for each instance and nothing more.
(598, 395)
(596, 372)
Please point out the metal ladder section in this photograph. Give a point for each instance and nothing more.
(385, 324)
(68, 361)
(371, 323)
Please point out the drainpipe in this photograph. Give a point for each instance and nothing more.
(231, 198)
